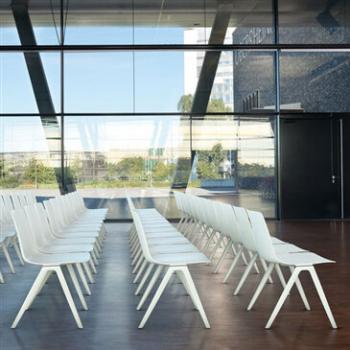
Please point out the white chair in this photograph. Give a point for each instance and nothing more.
(49, 263)
(297, 262)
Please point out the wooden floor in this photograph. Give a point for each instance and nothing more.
(111, 322)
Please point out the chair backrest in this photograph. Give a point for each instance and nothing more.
(16, 201)
(262, 236)
(38, 226)
(245, 229)
(27, 244)
(53, 215)
(226, 220)
(8, 201)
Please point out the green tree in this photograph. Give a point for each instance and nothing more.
(162, 171)
(130, 167)
(209, 162)
(36, 172)
(215, 105)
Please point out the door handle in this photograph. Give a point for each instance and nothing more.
(333, 179)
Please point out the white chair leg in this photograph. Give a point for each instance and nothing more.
(283, 297)
(144, 279)
(233, 265)
(92, 265)
(88, 272)
(149, 287)
(33, 292)
(68, 296)
(213, 253)
(195, 296)
(322, 296)
(139, 273)
(156, 297)
(263, 264)
(260, 286)
(83, 279)
(138, 264)
(1, 278)
(18, 252)
(245, 274)
(77, 286)
(223, 255)
(301, 291)
(280, 275)
(8, 258)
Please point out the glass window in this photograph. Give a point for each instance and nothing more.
(312, 22)
(107, 156)
(98, 82)
(234, 161)
(30, 154)
(315, 81)
(22, 92)
(253, 84)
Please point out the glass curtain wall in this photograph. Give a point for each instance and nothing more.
(149, 97)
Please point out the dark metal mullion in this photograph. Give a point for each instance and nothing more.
(171, 47)
(277, 110)
(63, 178)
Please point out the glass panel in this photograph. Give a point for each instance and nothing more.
(315, 81)
(312, 22)
(30, 154)
(253, 81)
(234, 161)
(19, 72)
(44, 18)
(98, 22)
(107, 156)
(98, 82)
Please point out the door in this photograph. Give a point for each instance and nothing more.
(310, 168)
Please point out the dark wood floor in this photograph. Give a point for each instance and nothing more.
(111, 322)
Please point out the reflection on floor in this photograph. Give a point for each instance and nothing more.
(111, 322)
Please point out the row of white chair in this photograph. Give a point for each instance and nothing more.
(156, 247)
(59, 233)
(8, 237)
(237, 229)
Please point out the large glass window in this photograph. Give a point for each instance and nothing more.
(234, 160)
(30, 154)
(315, 81)
(107, 157)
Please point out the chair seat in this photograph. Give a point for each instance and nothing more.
(68, 240)
(58, 259)
(303, 259)
(287, 248)
(73, 248)
(171, 240)
(275, 240)
(181, 259)
(178, 248)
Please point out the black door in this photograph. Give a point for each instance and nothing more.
(310, 168)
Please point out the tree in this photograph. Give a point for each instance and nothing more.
(162, 171)
(131, 167)
(209, 162)
(36, 172)
(215, 105)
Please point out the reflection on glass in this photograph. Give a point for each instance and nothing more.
(306, 22)
(17, 92)
(30, 155)
(234, 161)
(315, 81)
(106, 156)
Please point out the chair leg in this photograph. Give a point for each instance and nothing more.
(245, 274)
(263, 264)
(221, 260)
(92, 265)
(156, 297)
(139, 273)
(280, 275)
(195, 296)
(18, 252)
(322, 296)
(8, 258)
(261, 286)
(233, 265)
(144, 279)
(33, 292)
(68, 296)
(77, 286)
(301, 291)
(213, 253)
(1, 278)
(149, 287)
(88, 272)
(83, 279)
(283, 297)
(138, 264)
